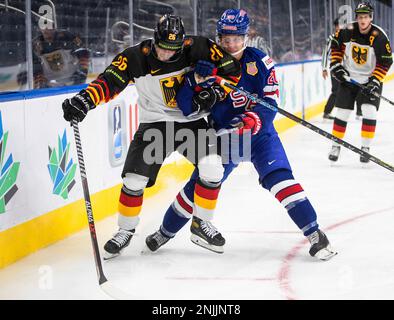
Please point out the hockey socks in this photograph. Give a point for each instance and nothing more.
(196, 197)
(180, 211)
(291, 195)
(130, 204)
(340, 123)
(205, 197)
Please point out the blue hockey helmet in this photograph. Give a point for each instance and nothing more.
(233, 21)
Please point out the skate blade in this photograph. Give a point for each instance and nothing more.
(200, 242)
(364, 165)
(109, 256)
(333, 164)
(147, 251)
(326, 254)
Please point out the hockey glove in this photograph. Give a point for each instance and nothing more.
(198, 83)
(78, 106)
(247, 121)
(205, 68)
(339, 72)
(205, 99)
(373, 86)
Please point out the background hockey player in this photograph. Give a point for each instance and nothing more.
(59, 59)
(157, 68)
(361, 51)
(267, 153)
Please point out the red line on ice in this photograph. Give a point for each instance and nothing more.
(284, 271)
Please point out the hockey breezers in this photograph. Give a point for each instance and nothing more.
(105, 285)
(307, 124)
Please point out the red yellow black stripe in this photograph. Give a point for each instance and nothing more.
(368, 128)
(339, 128)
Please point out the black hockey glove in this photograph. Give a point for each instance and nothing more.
(373, 86)
(205, 99)
(78, 106)
(339, 72)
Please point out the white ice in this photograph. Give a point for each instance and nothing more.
(265, 256)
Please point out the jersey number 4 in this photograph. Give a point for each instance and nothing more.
(272, 78)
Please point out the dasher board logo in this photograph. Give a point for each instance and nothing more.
(169, 87)
(359, 54)
(61, 169)
(117, 133)
(9, 171)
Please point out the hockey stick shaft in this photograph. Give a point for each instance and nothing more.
(99, 268)
(363, 87)
(307, 124)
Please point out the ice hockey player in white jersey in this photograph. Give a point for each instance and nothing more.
(157, 68)
(362, 52)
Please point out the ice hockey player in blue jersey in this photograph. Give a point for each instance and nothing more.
(237, 114)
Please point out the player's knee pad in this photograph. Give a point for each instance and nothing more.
(343, 114)
(135, 182)
(210, 168)
(369, 111)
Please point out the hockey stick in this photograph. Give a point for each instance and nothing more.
(105, 285)
(363, 87)
(307, 124)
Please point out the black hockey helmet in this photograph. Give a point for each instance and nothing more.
(169, 32)
(364, 7)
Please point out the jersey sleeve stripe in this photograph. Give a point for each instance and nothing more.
(93, 94)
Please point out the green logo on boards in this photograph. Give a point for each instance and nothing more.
(9, 171)
(61, 170)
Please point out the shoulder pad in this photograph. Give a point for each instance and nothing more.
(146, 48)
(188, 42)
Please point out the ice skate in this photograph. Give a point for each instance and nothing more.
(362, 158)
(204, 234)
(119, 241)
(156, 240)
(320, 246)
(334, 153)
